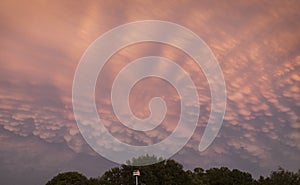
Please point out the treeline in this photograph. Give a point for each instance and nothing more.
(170, 172)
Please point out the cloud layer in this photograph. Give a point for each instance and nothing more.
(256, 44)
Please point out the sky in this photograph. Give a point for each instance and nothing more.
(256, 43)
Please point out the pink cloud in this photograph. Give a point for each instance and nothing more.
(255, 43)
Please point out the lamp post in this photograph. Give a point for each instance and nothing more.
(136, 173)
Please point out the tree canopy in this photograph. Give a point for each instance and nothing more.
(170, 172)
(68, 178)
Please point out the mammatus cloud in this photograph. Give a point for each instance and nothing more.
(256, 44)
(39, 112)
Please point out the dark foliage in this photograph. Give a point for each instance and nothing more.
(170, 172)
(69, 178)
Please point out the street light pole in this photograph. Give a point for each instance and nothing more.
(136, 173)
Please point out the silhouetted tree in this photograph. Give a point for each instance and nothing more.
(281, 177)
(68, 178)
(166, 172)
(170, 172)
(224, 176)
(144, 160)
